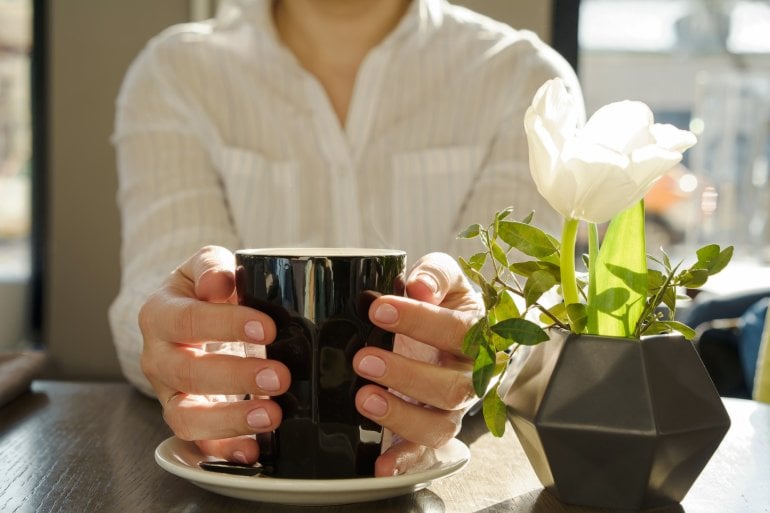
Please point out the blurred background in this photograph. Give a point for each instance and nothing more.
(700, 64)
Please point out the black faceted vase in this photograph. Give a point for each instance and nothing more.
(616, 423)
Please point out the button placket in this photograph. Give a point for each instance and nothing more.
(341, 173)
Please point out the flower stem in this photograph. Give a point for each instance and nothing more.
(568, 279)
(592, 324)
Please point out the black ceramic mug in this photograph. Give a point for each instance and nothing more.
(319, 299)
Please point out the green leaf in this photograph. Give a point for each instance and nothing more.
(484, 238)
(472, 273)
(577, 317)
(528, 219)
(669, 298)
(713, 259)
(538, 284)
(506, 307)
(586, 259)
(474, 338)
(620, 277)
(666, 261)
(528, 267)
(495, 412)
(659, 327)
(655, 280)
(721, 262)
(478, 260)
(520, 331)
(558, 311)
(504, 213)
(489, 293)
(487, 289)
(693, 278)
(706, 255)
(483, 369)
(528, 239)
(686, 331)
(498, 253)
(499, 216)
(470, 232)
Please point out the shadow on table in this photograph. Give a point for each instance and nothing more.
(423, 501)
(540, 501)
(21, 408)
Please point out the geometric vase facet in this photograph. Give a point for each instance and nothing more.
(615, 423)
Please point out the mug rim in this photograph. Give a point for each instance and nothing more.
(320, 252)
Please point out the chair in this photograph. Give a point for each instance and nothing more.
(727, 338)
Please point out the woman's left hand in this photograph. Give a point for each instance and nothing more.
(427, 376)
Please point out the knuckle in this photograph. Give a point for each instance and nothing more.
(206, 250)
(149, 369)
(182, 375)
(446, 428)
(184, 321)
(442, 265)
(458, 327)
(175, 421)
(460, 392)
(145, 316)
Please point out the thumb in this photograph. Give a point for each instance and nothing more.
(434, 277)
(212, 270)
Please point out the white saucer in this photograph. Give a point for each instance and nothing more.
(182, 458)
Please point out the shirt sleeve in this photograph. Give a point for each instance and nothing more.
(170, 197)
(503, 178)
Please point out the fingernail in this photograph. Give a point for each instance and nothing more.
(267, 380)
(258, 418)
(240, 457)
(372, 366)
(429, 281)
(376, 405)
(386, 314)
(254, 330)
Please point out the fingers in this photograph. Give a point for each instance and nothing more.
(401, 457)
(173, 318)
(437, 279)
(197, 418)
(442, 328)
(415, 423)
(446, 387)
(239, 449)
(430, 367)
(193, 371)
(212, 270)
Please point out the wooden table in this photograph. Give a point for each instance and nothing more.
(88, 447)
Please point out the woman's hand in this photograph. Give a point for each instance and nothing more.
(196, 305)
(428, 375)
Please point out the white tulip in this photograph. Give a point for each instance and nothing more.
(594, 172)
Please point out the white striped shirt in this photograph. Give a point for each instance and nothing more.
(223, 138)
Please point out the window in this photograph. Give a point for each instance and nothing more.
(15, 169)
(702, 65)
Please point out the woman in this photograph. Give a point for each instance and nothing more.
(375, 123)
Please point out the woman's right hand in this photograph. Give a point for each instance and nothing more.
(196, 305)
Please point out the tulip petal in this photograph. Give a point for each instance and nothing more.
(620, 126)
(650, 163)
(671, 138)
(557, 109)
(603, 190)
(594, 169)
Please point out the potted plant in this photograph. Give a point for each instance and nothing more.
(611, 402)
